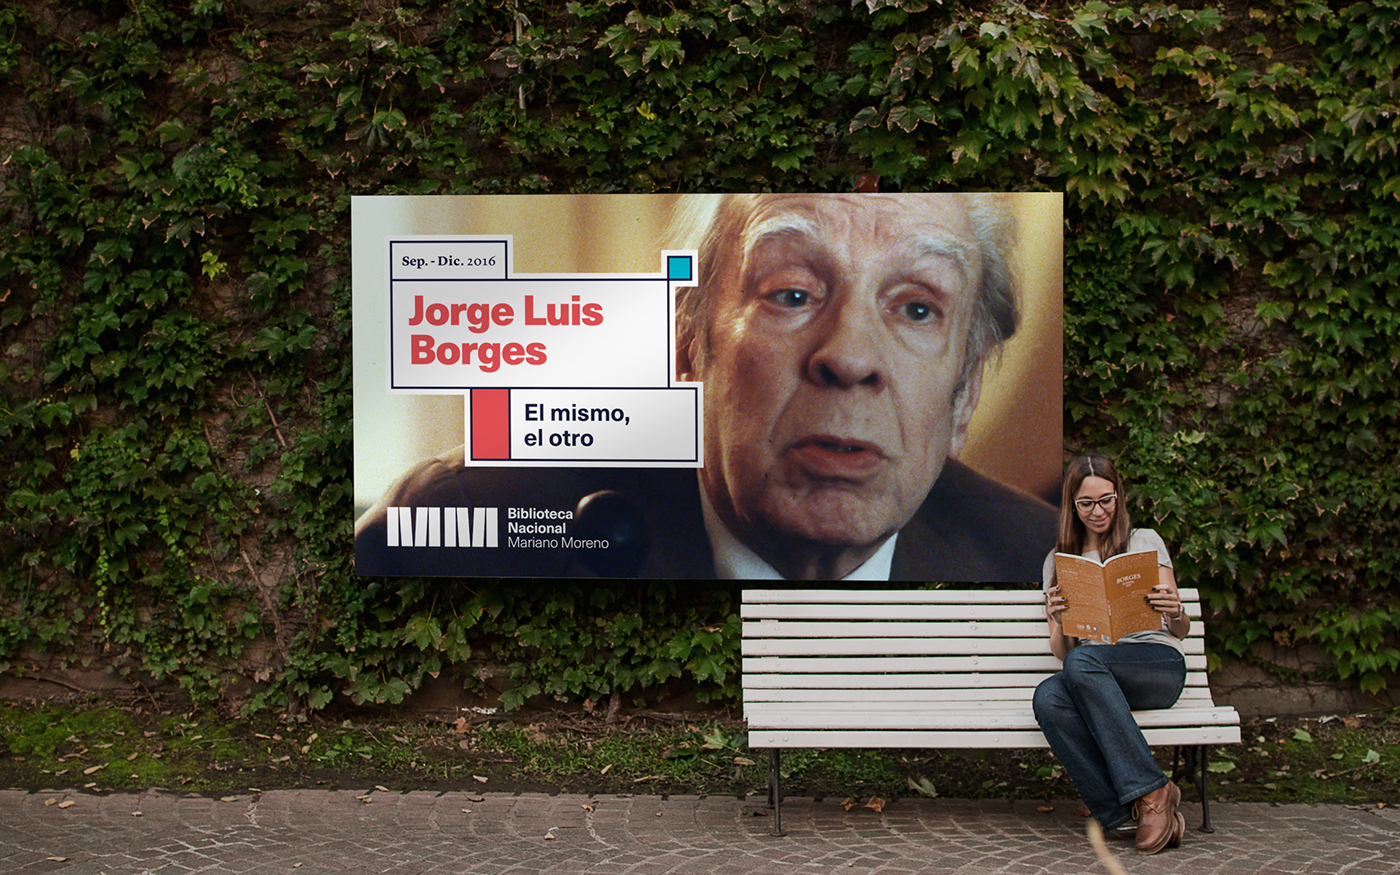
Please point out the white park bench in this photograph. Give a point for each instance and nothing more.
(931, 669)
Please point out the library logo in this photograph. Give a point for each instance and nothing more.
(443, 527)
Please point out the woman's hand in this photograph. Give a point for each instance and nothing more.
(1055, 606)
(1166, 600)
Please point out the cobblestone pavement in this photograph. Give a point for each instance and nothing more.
(339, 832)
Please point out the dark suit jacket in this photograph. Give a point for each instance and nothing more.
(970, 529)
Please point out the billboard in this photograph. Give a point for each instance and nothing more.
(751, 386)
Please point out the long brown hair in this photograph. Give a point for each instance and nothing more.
(1072, 531)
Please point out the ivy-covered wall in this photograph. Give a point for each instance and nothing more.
(174, 393)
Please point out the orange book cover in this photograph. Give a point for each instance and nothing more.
(1107, 600)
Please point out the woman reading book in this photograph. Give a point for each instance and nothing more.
(1085, 709)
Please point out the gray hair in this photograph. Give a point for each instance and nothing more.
(712, 223)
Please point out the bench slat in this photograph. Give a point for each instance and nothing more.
(906, 627)
(1046, 662)
(1027, 595)
(1033, 610)
(939, 715)
(940, 681)
(909, 646)
(954, 695)
(967, 739)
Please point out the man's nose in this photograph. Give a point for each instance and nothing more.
(847, 351)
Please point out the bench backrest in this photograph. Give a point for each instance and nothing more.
(891, 646)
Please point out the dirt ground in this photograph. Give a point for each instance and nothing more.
(102, 745)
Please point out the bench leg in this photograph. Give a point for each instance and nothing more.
(1203, 756)
(775, 790)
(1193, 767)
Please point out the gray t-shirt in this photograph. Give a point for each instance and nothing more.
(1138, 540)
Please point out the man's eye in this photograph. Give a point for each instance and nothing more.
(791, 297)
(919, 311)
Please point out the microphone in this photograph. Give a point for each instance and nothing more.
(611, 516)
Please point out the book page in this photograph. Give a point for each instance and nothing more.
(1082, 584)
(1129, 578)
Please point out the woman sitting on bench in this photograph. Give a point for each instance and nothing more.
(1085, 709)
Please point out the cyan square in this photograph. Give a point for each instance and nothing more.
(679, 268)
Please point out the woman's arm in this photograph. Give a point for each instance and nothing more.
(1055, 606)
(1167, 601)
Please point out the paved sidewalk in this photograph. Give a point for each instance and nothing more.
(338, 832)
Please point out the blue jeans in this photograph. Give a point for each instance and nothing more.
(1085, 711)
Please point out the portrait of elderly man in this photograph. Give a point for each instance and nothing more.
(841, 341)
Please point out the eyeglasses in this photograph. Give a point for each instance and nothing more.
(1086, 505)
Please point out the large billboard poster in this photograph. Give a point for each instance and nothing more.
(802, 386)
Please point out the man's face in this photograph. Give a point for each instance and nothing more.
(837, 337)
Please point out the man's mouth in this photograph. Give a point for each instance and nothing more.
(838, 447)
(830, 456)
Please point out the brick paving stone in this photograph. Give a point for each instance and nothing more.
(334, 833)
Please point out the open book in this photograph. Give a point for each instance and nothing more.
(1107, 600)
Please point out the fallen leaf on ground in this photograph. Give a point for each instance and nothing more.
(876, 803)
(67, 803)
(365, 799)
(1046, 809)
(1101, 850)
(849, 803)
(48, 802)
(228, 799)
(90, 769)
(58, 859)
(587, 807)
(923, 787)
(135, 814)
(381, 788)
(480, 779)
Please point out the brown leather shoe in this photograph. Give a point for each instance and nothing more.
(1155, 813)
(1179, 832)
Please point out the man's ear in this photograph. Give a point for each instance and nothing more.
(964, 405)
(687, 362)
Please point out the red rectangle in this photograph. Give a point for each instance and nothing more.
(490, 423)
